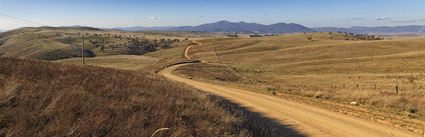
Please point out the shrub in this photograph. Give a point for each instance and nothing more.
(65, 53)
(413, 110)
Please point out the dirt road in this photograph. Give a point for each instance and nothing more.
(304, 118)
(186, 53)
(186, 50)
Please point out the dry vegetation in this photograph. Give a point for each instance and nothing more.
(151, 62)
(330, 66)
(208, 72)
(48, 99)
(128, 62)
(48, 43)
(384, 75)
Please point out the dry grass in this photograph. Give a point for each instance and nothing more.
(208, 72)
(49, 43)
(48, 99)
(128, 62)
(334, 69)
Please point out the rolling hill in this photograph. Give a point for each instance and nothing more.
(382, 75)
(140, 28)
(71, 100)
(387, 30)
(54, 43)
(226, 26)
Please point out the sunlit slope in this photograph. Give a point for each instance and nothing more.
(39, 98)
(50, 43)
(295, 54)
(381, 75)
(37, 43)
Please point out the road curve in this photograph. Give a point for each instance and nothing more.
(306, 119)
(186, 50)
(186, 53)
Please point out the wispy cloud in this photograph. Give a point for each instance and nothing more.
(353, 19)
(408, 21)
(404, 21)
(154, 18)
(382, 18)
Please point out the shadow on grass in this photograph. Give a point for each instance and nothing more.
(259, 125)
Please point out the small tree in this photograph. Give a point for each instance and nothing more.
(102, 48)
(310, 38)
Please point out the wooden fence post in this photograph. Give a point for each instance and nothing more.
(396, 89)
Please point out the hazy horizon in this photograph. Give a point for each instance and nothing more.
(129, 13)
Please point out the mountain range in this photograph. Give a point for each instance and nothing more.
(227, 26)
(278, 28)
(140, 28)
(410, 29)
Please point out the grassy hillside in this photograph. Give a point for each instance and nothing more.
(151, 62)
(47, 99)
(129, 62)
(49, 43)
(385, 75)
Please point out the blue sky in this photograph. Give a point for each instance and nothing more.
(118, 13)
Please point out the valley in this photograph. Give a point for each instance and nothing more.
(212, 68)
(322, 72)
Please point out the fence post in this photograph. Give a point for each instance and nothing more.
(396, 89)
(82, 52)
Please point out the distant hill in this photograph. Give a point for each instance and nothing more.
(47, 43)
(140, 28)
(226, 26)
(55, 43)
(75, 27)
(411, 29)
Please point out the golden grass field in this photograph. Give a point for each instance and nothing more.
(128, 62)
(48, 43)
(40, 98)
(329, 67)
(63, 97)
(385, 76)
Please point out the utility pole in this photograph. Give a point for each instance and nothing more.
(82, 51)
